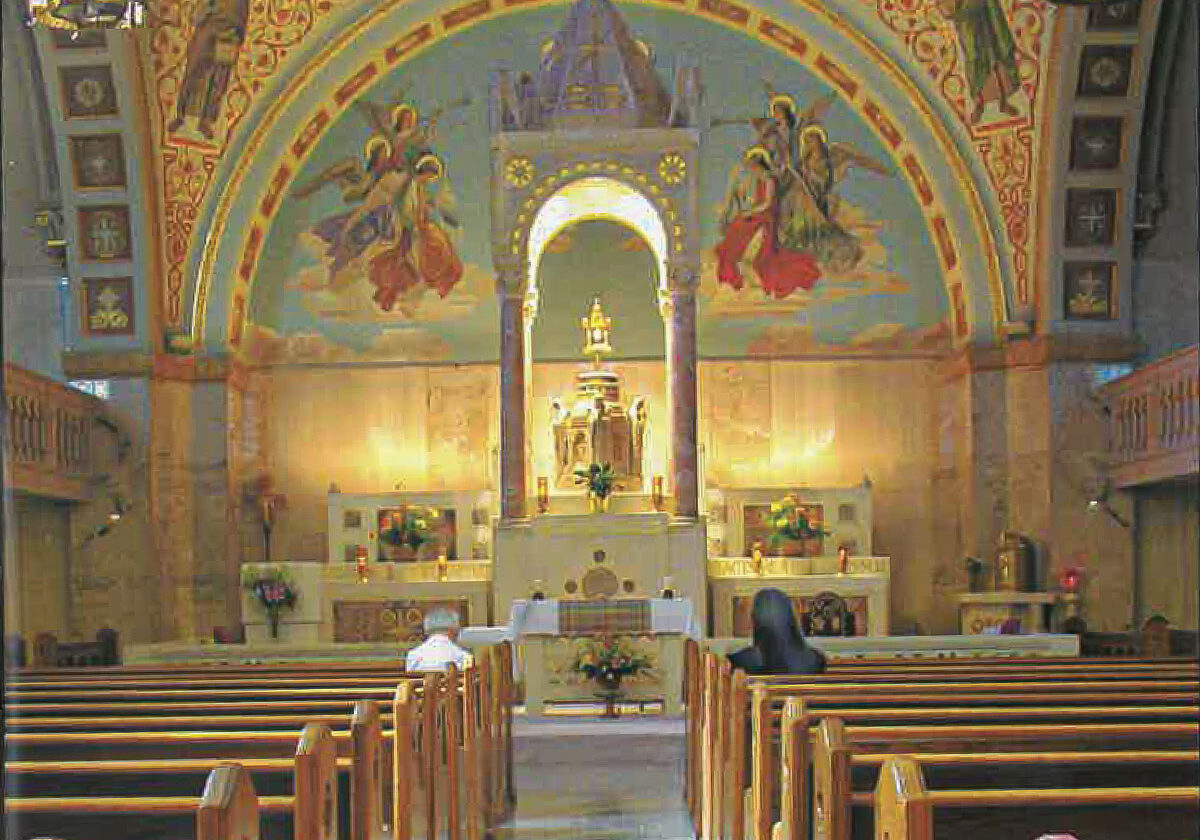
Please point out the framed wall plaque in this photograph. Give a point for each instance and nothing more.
(1089, 291)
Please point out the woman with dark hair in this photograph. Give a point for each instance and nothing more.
(779, 646)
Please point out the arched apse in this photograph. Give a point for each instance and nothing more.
(877, 102)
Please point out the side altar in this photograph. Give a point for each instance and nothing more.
(837, 586)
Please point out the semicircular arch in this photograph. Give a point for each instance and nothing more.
(963, 217)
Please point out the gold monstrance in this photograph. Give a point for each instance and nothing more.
(596, 328)
(595, 426)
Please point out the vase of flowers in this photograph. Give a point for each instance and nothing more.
(607, 660)
(274, 590)
(600, 481)
(790, 521)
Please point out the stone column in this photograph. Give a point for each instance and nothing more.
(682, 349)
(511, 290)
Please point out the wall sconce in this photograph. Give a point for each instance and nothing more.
(1100, 502)
(543, 494)
(656, 495)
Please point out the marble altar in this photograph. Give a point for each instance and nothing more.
(733, 582)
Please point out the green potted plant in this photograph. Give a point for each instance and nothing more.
(600, 481)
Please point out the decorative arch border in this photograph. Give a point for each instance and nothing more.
(558, 182)
(979, 306)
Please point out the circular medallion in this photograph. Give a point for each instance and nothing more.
(518, 172)
(672, 168)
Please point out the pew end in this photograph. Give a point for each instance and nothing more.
(367, 777)
(903, 809)
(316, 784)
(228, 807)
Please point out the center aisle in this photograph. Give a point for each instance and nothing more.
(589, 779)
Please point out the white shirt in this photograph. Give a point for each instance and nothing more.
(436, 654)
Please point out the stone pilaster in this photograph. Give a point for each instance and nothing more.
(194, 493)
(511, 290)
(685, 476)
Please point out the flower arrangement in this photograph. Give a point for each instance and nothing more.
(414, 527)
(599, 478)
(607, 660)
(790, 521)
(273, 588)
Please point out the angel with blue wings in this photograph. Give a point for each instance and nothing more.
(399, 230)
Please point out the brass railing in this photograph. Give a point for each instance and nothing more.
(48, 435)
(1155, 417)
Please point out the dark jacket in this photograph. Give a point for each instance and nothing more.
(779, 646)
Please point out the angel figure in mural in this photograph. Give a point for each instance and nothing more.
(749, 232)
(399, 230)
(211, 56)
(989, 52)
(781, 213)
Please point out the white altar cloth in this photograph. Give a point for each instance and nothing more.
(673, 615)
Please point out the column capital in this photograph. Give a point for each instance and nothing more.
(683, 279)
(510, 281)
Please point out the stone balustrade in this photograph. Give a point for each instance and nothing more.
(48, 435)
(1155, 417)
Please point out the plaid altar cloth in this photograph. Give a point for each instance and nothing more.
(592, 617)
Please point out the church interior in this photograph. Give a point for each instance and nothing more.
(585, 323)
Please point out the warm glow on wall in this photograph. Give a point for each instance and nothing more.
(597, 198)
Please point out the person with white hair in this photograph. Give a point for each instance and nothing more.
(438, 650)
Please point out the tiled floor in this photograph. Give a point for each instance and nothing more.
(590, 779)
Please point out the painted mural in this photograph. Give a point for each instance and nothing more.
(812, 237)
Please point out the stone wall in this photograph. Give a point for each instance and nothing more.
(1167, 274)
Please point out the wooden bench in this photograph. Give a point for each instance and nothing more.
(907, 809)
(798, 744)
(462, 723)
(899, 673)
(727, 740)
(845, 773)
(727, 818)
(311, 808)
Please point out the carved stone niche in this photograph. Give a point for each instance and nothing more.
(596, 427)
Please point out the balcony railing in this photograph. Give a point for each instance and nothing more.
(1155, 417)
(48, 439)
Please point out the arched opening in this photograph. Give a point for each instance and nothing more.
(596, 238)
(597, 198)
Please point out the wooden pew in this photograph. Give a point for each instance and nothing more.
(882, 672)
(228, 806)
(798, 742)
(907, 809)
(199, 742)
(844, 775)
(720, 695)
(312, 805)
(477, 707)
(726, 739)
(761, 789)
